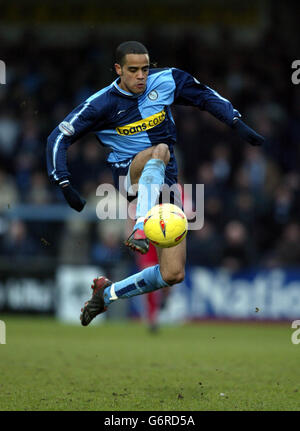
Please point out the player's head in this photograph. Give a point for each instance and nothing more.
(132, 66)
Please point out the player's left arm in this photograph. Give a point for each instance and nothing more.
(189, 91)
(77, 124)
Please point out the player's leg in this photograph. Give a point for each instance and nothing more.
(168, 272)
(172, 263)
(105, 292)
(152, 304)
(160, 151)
(148, 171)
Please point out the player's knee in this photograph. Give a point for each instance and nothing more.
(173, 277)
(161, 151)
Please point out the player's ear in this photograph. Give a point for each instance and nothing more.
(118, 69)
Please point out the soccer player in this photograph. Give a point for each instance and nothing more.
(132, 116)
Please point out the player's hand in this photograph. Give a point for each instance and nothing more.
(246, 133)
(71, 195)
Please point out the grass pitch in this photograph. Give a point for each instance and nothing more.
(46, 365)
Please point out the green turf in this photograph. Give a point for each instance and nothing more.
(46, 365)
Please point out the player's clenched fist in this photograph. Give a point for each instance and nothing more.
(246, 133)
(71, 195)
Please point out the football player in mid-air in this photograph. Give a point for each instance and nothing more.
(132, 116)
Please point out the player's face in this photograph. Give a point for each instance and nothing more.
(134, 73)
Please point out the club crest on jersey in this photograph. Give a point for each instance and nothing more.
(153, 95)
(142, 125)
(66, 128)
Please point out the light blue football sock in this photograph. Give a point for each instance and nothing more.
(150, 183)
(146, 281)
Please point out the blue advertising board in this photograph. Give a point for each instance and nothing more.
(253, 294)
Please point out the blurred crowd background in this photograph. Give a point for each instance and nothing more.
(252, 204)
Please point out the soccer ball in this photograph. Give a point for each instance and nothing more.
(165, 225)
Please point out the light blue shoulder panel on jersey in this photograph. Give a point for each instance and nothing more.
(159, 93)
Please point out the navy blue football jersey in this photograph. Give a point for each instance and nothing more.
(128, 123)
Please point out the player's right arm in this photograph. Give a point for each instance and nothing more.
(78, 123)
